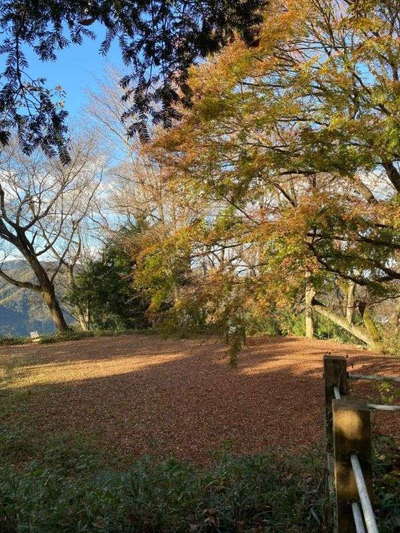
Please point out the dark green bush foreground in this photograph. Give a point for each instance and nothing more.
(238, 494)
(65, 491)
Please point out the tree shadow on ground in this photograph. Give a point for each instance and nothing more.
(180, 398)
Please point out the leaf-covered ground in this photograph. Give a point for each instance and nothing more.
(142, 394)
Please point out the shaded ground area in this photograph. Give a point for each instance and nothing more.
(141, 394)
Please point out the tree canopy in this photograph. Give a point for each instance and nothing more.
(275, 195)
(300, 137)
(159, 41)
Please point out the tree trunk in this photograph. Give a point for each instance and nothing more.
(310, 293)
(364, 334)
(56, 313)
(82, 322)
(370, 326)
(350, 301)
(83, 317)
(47, 291)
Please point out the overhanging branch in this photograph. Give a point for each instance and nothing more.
(18, 283)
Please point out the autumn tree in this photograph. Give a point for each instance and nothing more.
(140, 195)
(44, 206)
(300, 136)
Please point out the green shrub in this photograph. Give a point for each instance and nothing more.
(250, 493)
(73, 335)
(9, 340)
(386, 468)
(69, 335)
(391, 341)
(64, 490)
(326, 329)
(292, 323)
(268, 325)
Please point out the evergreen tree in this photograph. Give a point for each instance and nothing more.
(159, 41)
(103, 293)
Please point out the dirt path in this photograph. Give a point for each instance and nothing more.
(141, 394)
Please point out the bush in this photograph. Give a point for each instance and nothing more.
(252, 493)
(104, 287)
(268, 325)
(292, 323)
(9, 340)
(70, 335)
(65, 489)
(387, 484)
(326, 329)
(391, 341)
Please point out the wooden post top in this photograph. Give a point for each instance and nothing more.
(330, 357)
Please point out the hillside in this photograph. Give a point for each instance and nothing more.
(21, 310)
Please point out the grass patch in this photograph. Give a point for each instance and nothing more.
(74, 335)
(253, 493)
(70, 335)
(8, 340)
(387, 484)
(67, 488)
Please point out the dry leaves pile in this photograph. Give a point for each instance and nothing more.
(142, 394)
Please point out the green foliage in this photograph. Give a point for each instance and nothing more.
(387, 484)
(65, 453)
(76, 335)
(69, 335)
(326, 329)
(66, 490)
(8, 340)
(268, 324)
(391, 341)
(260, 492)
(292, 323)
(286, 322)
(162, 270)
(389, 392)
(184, 322)
(103, 292)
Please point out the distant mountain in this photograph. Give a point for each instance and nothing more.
(15, 264)
(22, 310)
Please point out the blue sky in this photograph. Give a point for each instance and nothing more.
(76, 69)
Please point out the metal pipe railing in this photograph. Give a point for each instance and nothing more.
(384, 407)
(366, 505)
(374, 378)
(367, 510)
(336, 388)
(358, 519)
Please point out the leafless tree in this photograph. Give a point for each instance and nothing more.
(44, 209)
(137, 188)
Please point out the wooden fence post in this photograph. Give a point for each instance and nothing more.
(335, 375)
(351, 435)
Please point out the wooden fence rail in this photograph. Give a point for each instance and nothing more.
(348, 445)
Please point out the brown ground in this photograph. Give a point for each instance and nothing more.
(141, 394)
